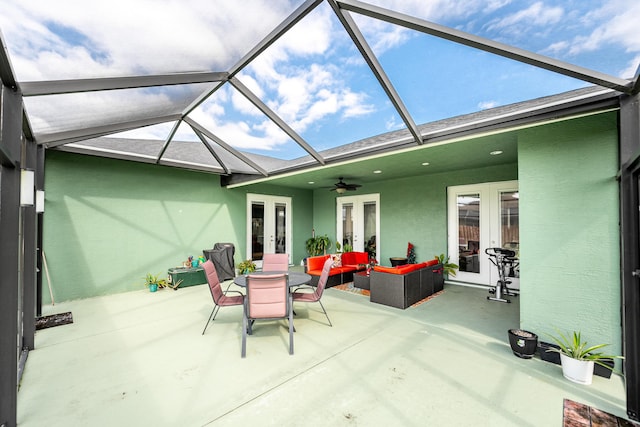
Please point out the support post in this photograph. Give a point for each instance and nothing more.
(630, 247)
(10, 136)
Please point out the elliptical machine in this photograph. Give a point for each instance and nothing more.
(505, 260)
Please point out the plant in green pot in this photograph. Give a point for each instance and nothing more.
(577, 357)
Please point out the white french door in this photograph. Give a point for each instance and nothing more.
(482, 216)
(268, 226)
(358, 222)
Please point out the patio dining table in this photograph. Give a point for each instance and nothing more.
(295, 278)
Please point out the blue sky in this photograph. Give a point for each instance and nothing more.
(313, 77)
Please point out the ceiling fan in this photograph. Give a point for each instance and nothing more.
(341, 186)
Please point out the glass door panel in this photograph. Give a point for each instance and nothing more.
(257, 231)
(468, 207)
(347, 226)
(510, 232)
(370, 228)
(280, 246)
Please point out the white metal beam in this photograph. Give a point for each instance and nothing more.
(57, 87)
(60, 138)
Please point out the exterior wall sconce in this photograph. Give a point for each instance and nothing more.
(27, 186)
(39, 201)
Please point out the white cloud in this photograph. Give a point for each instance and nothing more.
(535, 15)
(124, 37)
(485, 105)
(632, 67)
(615, 25)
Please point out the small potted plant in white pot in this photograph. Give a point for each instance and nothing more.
(578, 358)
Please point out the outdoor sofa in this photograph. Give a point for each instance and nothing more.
(342, 271)
(405, 285)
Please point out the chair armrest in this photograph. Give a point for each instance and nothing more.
(233, 292)
(305, 286)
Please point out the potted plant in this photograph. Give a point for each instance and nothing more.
(154, 282)
(578, 358)
(523, 343)
(247, 266)
(318, 245)
(447, 267)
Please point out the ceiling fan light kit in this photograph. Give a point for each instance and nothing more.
(341, 187)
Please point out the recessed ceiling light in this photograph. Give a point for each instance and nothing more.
(377, 171)
(425, 164)
(495, 153)
(311, 182)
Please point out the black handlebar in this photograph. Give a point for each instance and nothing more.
(500, 251)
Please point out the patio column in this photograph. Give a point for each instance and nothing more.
(10, 135)
(28, 279)
(630, 247)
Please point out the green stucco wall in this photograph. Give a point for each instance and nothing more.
(569, 232)
(411, 209)
(109, 222)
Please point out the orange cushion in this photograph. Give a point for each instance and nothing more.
(316, 262)
(355, 258)
(401, 269)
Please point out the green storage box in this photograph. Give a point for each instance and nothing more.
(189, 276)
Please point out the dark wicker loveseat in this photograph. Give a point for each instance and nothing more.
(405, 285)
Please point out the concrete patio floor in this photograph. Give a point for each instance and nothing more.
(139, 359)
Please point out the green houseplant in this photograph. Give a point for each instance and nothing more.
(577, 357)
(153, 282)
(447, 267)
(318, 245)
(247, 266)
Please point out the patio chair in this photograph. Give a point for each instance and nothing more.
(275, 262)
(268, 298)
(220, 299)
(316, 291)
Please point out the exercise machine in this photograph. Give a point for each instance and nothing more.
(505, 260)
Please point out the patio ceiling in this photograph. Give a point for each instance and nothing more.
(86, 110)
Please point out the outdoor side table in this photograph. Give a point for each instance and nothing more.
(189, 276)
(361, 280)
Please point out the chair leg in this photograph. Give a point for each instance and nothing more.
(217, 310)
(207, 324)
(244, 334)
(291, 330)
(325, 312)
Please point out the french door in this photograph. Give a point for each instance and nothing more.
(358, 223)
(268, 226)
(483, 216)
